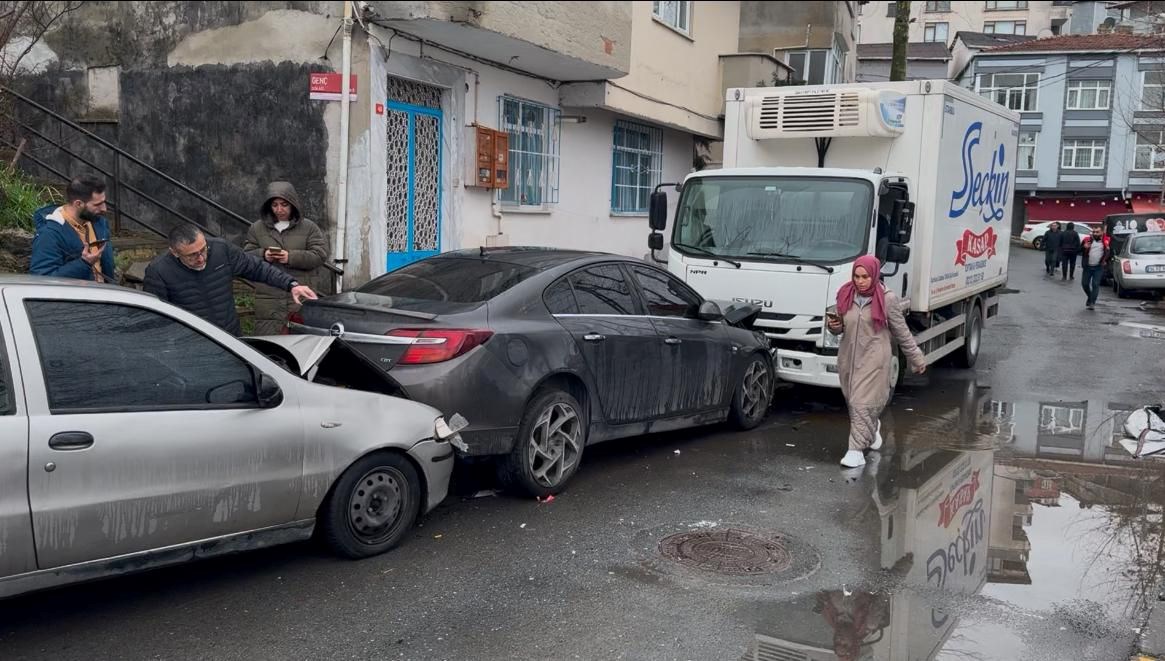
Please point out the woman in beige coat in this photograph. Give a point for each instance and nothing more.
(287, 240)
(869, 321)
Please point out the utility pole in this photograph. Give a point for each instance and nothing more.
(901, 37)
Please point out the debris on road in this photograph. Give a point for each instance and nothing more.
(438, 536)
(790, 445)
(485, 493)
(548, 499)
(677, 451)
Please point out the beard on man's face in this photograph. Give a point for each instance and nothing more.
(87, 215)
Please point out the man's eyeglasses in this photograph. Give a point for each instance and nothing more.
(194, 256)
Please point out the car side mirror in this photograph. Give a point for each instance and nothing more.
(896, 253)
(657, 211)
(709, 311)
(270, 394)
(655, 241)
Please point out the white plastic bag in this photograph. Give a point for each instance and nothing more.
(1146, 418)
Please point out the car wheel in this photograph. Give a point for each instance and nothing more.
(1121, 292)
(372, 506)
(754, 393)
(972, 338)
(1038, 243)
(549, 447)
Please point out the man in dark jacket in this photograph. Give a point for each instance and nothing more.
(1096, 251)
(1053, 239)
(72, 240)
(197, 276)
(1069, 248)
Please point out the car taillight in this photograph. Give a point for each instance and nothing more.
(438, 345)
(1127, 266)
(293, 318)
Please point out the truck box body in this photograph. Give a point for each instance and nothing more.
(956, 148)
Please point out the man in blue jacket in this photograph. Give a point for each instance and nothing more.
(72, 240)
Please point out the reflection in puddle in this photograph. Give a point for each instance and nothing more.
(1008, 529)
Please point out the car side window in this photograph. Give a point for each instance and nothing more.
(7, 404)
(110, 357)
(665, 295)
(603, 290)
(559, 298)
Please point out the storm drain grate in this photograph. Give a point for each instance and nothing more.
(730, 551)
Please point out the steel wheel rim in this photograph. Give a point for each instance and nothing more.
(756, 387)
(895, 367)
(555, 444)
(976, 327)
(376, 504)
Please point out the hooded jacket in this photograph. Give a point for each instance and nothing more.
(56, 248)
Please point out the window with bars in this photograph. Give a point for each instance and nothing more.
(1153, 90)
(1087, 154)
(1005, 27)
(1150, 153)
(677, 14)
(1026, 153)
(534, 131)
(637, 166)
(1017, 91)
(936, 32)
(1089, 94)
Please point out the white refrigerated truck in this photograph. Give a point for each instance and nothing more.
(919, 173)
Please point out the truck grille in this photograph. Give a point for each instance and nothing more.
(810, 113)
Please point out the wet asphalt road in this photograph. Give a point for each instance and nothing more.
(1001, 522)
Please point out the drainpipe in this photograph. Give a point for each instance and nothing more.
(341, 250)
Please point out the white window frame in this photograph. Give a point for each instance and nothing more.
(1072, 146)
(832, 72)
(1154, 150)
(1160, 105)
(549, 171)
(1022, 147)
(1017, 27)
(930, 32)
(934, 8)
(1031, 85)
(676, 14)
(1076, 88)
(1017, 5)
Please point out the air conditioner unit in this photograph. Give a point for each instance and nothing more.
(826, 113)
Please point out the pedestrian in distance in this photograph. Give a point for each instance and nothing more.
(197, 275)
(1096, 252)
(291, 243)
(1053, 241)
(869, 320)
(72, 240)
(1069, 248)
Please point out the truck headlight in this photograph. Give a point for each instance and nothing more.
(829, 340)
(450, 431)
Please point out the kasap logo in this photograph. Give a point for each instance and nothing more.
(985, 192)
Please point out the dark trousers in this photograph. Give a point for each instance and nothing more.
(1068, 265)
(1090, 277)
(1050, 261)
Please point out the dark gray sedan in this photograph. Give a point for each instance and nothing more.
(546, 351)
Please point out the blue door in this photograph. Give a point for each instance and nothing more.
(414, 183)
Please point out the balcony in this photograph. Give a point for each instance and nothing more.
(558, 40)
(751, 70)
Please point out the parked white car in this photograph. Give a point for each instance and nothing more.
(134, 434)
(1033, 233)
(1140, 265)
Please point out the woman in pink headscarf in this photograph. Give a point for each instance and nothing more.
(869, 320)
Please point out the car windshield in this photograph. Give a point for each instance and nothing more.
(449, 279)
(1149, 245)
(802, 218)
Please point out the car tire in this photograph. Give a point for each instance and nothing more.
(1121, 292)
(1038, 243)
(754, 393)
(968, 355)
(549, 446)
(372, 506)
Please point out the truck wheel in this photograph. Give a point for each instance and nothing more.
(549, 446)
(897, 372)
(372, 506)
(972, 338)
(754, 394)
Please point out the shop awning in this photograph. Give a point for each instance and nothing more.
(1146, 202)
(1072, 210)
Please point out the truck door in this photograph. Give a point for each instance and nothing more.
(891, 193)
(16, 550)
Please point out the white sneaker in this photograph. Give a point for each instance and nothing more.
(853, 459)
(877, 444)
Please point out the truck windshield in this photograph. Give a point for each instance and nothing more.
(775, 218)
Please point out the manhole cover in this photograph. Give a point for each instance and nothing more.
(729, 551)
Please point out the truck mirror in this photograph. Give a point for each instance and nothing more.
(903, 222)
(896, 253)
(655, 241)
(657, 212)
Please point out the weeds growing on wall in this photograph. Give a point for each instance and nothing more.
(20, 198)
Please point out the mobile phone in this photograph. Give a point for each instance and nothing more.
(275, 249)
(98, 244)
(833, 316)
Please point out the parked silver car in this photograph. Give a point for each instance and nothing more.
(134, 434)
(1140, 264)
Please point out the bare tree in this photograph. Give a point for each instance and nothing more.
(901, 40)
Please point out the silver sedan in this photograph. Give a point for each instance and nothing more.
(134, 435)
(1140, 266)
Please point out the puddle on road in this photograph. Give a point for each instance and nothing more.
(1008, 530)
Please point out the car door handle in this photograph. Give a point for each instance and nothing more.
(71, 440)
(672, 341)
(594, 337)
